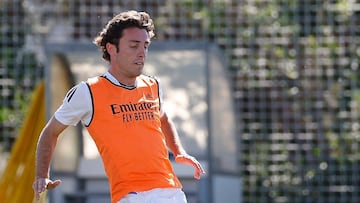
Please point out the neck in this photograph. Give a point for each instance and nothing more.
(128, 81)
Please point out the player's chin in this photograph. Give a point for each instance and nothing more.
(139, 71)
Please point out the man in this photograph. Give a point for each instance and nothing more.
(123, 113)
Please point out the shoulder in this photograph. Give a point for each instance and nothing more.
(76, 105)
(94, 80)
(77, 91)
(149, 78)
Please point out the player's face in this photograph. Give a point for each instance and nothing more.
(129, 60)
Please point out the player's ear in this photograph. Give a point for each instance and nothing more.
(110, 48)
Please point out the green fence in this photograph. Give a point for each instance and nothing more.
(294, 66)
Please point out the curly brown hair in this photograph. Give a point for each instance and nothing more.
(113, 31)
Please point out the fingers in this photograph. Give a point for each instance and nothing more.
(187, 159)
(199, 171)
(41, 184)
(53, 184)
(37, 195)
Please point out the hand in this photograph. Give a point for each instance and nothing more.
(41, 184)
(187, 159)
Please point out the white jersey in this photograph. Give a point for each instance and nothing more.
(77, 104)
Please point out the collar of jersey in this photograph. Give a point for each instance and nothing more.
(113, 80)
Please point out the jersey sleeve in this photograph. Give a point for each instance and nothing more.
(76, 106)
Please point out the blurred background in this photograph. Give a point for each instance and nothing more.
(265, 93)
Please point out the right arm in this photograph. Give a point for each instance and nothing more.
(76, 106)
(44, 152)
(46, 146)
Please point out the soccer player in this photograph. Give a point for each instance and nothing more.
(122, 110)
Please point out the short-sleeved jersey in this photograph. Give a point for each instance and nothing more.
(126, 129)
(77, 105)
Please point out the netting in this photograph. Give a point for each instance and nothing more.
(294, 66)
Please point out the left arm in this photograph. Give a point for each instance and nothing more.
(174, 143)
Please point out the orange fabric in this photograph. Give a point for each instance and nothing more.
(127, 131)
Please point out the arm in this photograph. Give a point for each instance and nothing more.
(173, 142)
(44, 152)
